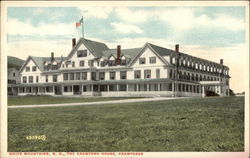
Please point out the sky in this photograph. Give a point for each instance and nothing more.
(213, 32)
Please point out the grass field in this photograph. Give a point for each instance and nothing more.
(209, 124)
(31, 100)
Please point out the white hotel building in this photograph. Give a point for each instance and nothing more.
(93, 69)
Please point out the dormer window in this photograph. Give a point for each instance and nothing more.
(123, 60)
(54, 67)
(111, 61)
(81, 53)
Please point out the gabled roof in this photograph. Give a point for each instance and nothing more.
(39, 61)
(160, 50)
(96, 48)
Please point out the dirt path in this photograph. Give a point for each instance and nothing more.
(96, 103)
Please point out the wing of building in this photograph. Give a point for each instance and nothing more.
(93, 69)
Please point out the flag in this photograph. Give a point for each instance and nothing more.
(79, 23)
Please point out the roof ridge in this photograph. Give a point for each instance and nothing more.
(92, 40)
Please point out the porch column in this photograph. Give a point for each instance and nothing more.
(117, 87)
(107, 88)
(159, 86)
(137, 87)
(98, 88)
(203, 91)
(148, 87)
(126, 87)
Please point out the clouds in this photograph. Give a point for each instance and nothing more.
(126, 28)
(180, 19)
(25, 28)
(95, 12)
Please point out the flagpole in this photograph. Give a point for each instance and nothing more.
(82, 28)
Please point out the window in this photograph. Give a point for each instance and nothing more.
(103, 63)
(123, 62)
(73, 64)
(33, 68)
(81, 53)
(21, 89)
(27, 69)
(91, 63)
(147, 73)
(93, 75)
(81, 63)
(111, 63)
(65, 76)
(157, 73)
(37, 79)
(152, 60)
(24, 79)
(47, 78)
(84, 75)
(112, 75)
(137, 74)
(123, 75)
(14, 74)
(71, 76)
(30, 79)
(67, 88)
(171, 73)
(123, 87)
(142, 60)
(78, 76)
(49, 89)
(54, 67)
(28, 89)
(102, 75)
(84, 88)
(54, 78)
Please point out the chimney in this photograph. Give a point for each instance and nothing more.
(52, 56)
(221, 61)
(118, 60)
(177, 48)
(73, 42)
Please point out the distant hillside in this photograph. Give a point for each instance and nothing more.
(14, 62)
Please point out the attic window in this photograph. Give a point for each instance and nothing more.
(142, 60)
(33, 68)
(81, 53)
(27, 69)
(152, 60)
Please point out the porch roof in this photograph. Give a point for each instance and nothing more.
(84, 82)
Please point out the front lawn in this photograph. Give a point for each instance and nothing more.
(199, 124)
(31, 100)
